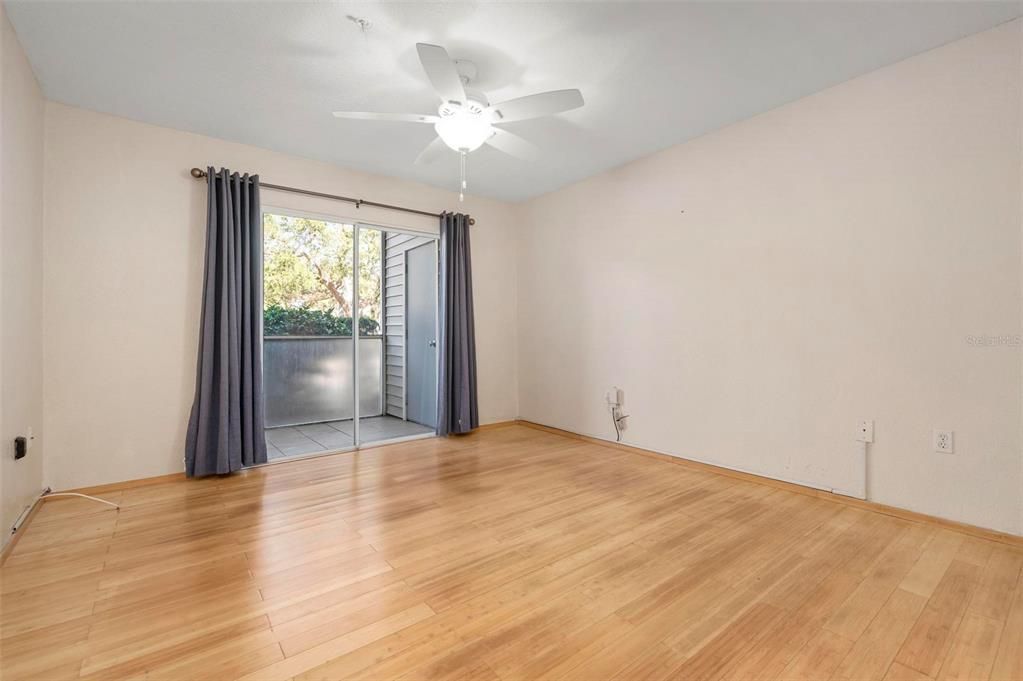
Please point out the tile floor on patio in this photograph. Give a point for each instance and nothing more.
(322, 437)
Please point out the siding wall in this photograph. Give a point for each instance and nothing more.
(395, 245)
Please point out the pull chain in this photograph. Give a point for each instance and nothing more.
(462, 186)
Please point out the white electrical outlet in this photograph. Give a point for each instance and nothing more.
(944, 441)
(865, 431)
(613, 397)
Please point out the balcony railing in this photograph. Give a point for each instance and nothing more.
(308, 379)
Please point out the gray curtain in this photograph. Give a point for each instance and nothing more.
(456, 392)
(225, 430)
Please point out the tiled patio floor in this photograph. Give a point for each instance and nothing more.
(323, 437)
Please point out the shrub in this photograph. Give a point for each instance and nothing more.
(301, 321)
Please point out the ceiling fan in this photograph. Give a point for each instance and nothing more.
(465, 119)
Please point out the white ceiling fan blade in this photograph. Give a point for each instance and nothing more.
(513, 145)
(432, 152)
(440, 69)
(534, 106)
(397, 117)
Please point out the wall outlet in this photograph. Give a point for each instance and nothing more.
(615, 398)
(865, 431)
(944, 441)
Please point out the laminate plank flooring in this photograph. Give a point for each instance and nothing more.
(507, 555)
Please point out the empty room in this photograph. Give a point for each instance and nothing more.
(511, 341)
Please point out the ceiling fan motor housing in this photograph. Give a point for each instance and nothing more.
(474, 105)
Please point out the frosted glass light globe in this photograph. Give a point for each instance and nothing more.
(463, 131)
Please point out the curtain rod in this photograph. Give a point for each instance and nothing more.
(199, 173)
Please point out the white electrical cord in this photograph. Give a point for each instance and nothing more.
(46, 493)
(83, 496)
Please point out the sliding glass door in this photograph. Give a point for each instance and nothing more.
(308, 342)
(398, 287)
(349, 342)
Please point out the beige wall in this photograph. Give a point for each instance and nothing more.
(124, 248)
(833, 258)
(21, 277)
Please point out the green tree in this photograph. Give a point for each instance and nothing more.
(308, 265)
(370, 275)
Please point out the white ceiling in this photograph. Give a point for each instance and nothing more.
(653, 74)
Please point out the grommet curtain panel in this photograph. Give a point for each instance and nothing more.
(456, 391)
(225, 429)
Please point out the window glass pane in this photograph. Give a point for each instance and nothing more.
(307, 271)
(370, 281)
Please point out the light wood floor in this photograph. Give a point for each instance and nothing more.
(512, 554)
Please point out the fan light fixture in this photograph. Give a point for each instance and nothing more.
(462, 131)
(465, 120)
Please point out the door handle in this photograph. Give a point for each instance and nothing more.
(432, 343)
